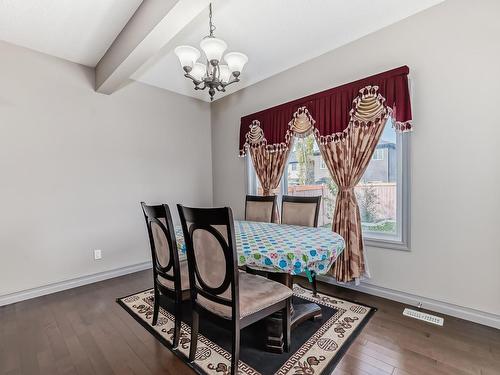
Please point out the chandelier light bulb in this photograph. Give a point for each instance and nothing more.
(199, 71)
(225, 73)
(187, 56)
(214, 48)
(236, 61)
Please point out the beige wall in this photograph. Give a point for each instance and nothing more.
(453, 51)
(74, 165)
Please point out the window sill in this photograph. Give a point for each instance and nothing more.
(387, 244)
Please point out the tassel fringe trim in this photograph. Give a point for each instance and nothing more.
(368, 109)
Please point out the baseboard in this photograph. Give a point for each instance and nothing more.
(7, 299)
(488, 319)
(476, 316)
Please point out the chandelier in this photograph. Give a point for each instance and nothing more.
(212, 74)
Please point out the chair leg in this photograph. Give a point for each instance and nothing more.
(156, 308)
(235, 355)
(177, 324)
(286, 319)
(194, 335)
(314, 285)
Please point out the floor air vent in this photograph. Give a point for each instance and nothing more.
(423, 316)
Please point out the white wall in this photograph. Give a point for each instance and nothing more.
(74, 165)
(453, 51)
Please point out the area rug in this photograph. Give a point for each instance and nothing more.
(317, 346)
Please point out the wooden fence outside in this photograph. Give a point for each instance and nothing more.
(385, 194)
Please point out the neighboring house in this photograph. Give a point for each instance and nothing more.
(293, 167)
(321, 173)
(382, 167)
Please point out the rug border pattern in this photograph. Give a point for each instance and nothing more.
(315, 356)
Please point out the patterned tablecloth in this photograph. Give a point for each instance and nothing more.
(282, 248)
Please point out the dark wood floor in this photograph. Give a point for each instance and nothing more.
(83, 331)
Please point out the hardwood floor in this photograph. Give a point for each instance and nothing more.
(83, 331)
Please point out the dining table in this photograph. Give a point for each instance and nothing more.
(281, 251)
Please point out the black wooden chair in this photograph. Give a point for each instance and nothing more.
(259, 208)
(302, 211)
(223, 293)
(170, 276)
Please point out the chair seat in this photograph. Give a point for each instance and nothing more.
(184, 278)
(256, 293)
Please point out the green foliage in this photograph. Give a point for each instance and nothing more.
(388, 226)
(329, 201)
(332, 186)
(304, 150)
(368, 203)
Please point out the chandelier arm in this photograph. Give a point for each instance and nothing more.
(195, 81)
(234, 80)
(220, 87)
(201, 87)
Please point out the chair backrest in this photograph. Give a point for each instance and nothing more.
(211, 252)
(302, 211)
(258, 208)
(163, 244)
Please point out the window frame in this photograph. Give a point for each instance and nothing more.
(402, 240)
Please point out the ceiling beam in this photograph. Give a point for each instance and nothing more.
(152, 26)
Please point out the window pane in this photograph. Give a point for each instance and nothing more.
(307, 175)
(377, 191)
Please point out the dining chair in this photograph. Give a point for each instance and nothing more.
(170, 276)
(220, 291)
(260, 208)
(303, 211)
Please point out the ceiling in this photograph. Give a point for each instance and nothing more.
(276, 35)
(76, 30)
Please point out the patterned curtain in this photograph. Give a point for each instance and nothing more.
(347, 122)
(269, 162)
(330, 110)
(347, 161)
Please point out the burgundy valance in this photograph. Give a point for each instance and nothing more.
(330, 111)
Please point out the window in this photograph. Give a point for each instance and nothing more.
(382, 192)
(378, 154)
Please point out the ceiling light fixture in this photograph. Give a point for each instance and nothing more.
(212, 74)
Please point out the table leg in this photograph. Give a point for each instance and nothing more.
(300, 313)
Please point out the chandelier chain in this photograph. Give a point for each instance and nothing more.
(211, 26)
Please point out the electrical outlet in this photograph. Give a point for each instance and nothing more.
(97, 254)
